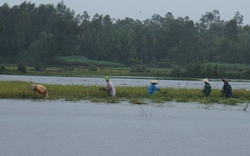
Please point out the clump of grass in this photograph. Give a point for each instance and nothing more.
(96, 100)
(137, 101)
(113, 100)
(209, 100)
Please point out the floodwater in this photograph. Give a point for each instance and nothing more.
(215, 83)
(63, 128)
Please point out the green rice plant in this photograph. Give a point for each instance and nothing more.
(209, 100)
(131, 92)
(135, 95)
(14, 89)
(241, 93)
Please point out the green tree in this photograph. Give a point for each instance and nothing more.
(8, 18)
(239, 18)
(229, 49)
(65, 30)
(156, 41)
(244, 45)
(1, 27)
(43, 51)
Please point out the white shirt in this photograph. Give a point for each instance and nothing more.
(110, 86)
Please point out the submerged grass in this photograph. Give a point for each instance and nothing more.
(135, 95)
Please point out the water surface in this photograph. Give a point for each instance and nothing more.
(51, 128)
(215, 83)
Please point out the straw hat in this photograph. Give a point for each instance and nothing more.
(224, 79)
(205, 80)
(154, 81)
(33, 86)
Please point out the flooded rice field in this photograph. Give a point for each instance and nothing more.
(63, 128)
(215, 83)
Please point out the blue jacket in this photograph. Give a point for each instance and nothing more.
(152, 88)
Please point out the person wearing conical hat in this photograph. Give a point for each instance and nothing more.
(152, 87)
(207, 88)
(39, 89)
(110, 86)
(227, 89)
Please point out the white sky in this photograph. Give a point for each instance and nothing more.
(144, 9)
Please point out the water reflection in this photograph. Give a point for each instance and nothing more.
(215, 83)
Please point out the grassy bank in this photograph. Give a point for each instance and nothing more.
(76, 71)
(136, 95)
(76, 66)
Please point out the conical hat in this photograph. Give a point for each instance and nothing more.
(33, 86)
(224, 79)
(154, 81)
(205, 80)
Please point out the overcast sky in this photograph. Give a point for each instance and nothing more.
(144, 9)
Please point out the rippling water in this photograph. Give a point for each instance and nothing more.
(56, 128)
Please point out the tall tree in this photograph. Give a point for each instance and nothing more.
(43, 51)
(65, 30)
(239, 18)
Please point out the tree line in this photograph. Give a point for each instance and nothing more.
(37, 35)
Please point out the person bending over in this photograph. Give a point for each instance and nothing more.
(227, 89)
(39, 89)
(152, 87)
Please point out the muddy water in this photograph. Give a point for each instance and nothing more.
(215, 83)
(43, 127)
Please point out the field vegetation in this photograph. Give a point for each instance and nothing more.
(209, 70)
(135, 95)
(81, 66)
(87, 70)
